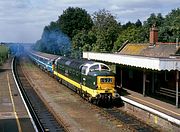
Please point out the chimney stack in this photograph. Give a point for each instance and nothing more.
(153, 37)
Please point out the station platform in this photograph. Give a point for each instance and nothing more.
(162, 109)
(13, 113)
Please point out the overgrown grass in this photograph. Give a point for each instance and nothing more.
(3, 53)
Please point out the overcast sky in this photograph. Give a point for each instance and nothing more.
(24, 20)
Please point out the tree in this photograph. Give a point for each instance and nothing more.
(170, 29)
(128, 24)
(150, 21)
(154, 19)
(84, 39)
(159, 20)
(74, 20)
(53, 25)
(80, 39)
(138, 23)
(133, 34)
(106, 29)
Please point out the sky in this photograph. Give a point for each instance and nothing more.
(24, 20)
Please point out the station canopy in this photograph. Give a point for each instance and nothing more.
(154, 63)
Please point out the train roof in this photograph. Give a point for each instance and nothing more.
(44, 55)
(75, 63)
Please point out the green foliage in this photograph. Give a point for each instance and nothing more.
(156, 20)
(133, 34)
(80, 39)
(170, 29)
(138, 23)
(128, 24)
(3, 53)
(73, 20)
(106, 29)
(102, 35)
(84, 40)
(153, 20)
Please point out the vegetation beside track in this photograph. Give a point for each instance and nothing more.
(3, 53)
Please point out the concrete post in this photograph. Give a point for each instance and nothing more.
(152, 83)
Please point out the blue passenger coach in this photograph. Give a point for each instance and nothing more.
(43, 60)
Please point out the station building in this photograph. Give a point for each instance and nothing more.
(147, 73)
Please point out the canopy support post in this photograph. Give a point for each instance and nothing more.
(144, 82)
(177, 88)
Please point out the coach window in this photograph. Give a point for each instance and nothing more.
(49, 63)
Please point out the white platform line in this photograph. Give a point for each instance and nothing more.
(160, 114)
(23, 98)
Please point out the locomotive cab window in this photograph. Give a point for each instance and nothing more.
(94, 67)
(104, 67)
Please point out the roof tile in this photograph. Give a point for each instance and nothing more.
(158, 50)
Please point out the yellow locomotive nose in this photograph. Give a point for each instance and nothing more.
(106, 83)
(106, 87)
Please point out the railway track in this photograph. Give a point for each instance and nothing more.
(118, 116)
(129, 120)
(43, 118)
(122, 119)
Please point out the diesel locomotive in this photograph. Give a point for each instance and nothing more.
(94, 81)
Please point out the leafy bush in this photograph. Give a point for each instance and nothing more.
(3, 53)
